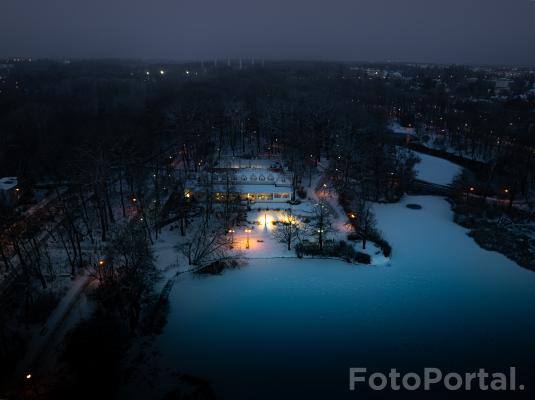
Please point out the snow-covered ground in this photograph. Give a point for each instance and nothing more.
(290, 326)
(436, 170)
(401, 130)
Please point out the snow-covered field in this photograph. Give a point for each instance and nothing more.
(436, 170)
(283, 326)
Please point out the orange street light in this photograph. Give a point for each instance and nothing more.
(248, 231)
(231, 232)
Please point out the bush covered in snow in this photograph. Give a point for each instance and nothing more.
(331, 248)
(217, 267)
(375, 238)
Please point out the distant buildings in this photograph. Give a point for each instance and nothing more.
(502, 86)
(9, 191)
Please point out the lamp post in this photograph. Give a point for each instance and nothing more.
(231, 231)
(247, 231)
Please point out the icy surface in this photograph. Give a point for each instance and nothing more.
(436, 170)
(284, 326)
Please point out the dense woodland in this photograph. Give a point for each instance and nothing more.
(60, 120)
(105, 139)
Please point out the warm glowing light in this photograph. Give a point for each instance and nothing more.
(266, 220)
(188, 195)
(134, 199)
(352, 216)
(100, 262)
(247, 230)
(29, 376)
(506, 190)
(472, 189)
(162, 72)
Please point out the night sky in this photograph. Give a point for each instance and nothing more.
(444, 31)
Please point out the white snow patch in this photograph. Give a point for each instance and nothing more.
(436, 170)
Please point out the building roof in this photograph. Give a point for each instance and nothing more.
(255, 163)
(253, 176)
(8, 182)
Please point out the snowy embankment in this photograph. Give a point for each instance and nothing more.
(436, 170)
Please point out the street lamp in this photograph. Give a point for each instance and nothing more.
(324, 194)
(247, 231)
(231, 231)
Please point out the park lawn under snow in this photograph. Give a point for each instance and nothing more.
(436, 170)
(289, 326)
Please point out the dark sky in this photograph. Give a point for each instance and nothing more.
(449, 31)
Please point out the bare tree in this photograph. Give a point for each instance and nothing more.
(208, 243)
(363, 220)
(288, 229)
(320, 226)
(128, 274)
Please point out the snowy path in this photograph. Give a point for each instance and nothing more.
(56, 326)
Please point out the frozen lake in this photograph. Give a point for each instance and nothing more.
(287, 326)
(436, 170)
